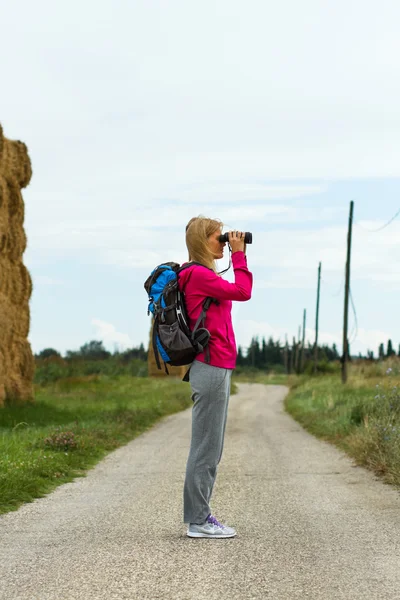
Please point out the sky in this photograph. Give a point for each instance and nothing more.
(272, 117)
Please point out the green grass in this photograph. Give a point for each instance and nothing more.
(361, 417)
(72, 424)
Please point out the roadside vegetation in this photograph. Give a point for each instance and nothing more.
(361, 417)
(73, 423)
(91, 402)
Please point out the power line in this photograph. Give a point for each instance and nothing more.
(339, 290)
(379, 228)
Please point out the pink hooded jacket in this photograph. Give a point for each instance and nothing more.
(198, 283)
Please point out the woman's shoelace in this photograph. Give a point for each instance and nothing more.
(213, 520)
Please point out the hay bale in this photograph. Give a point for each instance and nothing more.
(21, 369)
(3, 195)
(6, 321)
(14, 161)
(154, 371)
(4, 217)
(2, 379)
(15, 202)
(16, 243)
(20, 287)
(21, 321)
(17, 363)
(5, 276)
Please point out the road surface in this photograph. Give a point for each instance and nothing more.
(310, 524)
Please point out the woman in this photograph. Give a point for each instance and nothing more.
(210, 381)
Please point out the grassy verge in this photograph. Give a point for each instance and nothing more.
(72, 424)
(362, 418)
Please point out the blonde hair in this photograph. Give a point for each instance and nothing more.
(198, 230)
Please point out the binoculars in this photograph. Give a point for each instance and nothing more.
(248, 237)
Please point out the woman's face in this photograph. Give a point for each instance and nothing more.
(216, 247)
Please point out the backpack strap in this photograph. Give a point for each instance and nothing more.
(202, 317)
(155, 347)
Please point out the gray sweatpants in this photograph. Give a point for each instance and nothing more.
(210, 394)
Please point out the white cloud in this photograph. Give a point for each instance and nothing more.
(111, 338)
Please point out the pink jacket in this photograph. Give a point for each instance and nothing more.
(197, 283)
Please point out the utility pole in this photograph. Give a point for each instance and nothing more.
(346, 298)
(302, 342)
(316, 321)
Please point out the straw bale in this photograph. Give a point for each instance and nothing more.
(16, 244)
(16, 359)
(154, 371)
(21, 320)
(14, 161)
(2, 379)
(26, 281)
(1, 143)
(18, 384)
(3, 194)
(5, 275)
(3, 236)
(21, 284)
(6, 321)
(4, 218)
(15, 202)
(16, 295)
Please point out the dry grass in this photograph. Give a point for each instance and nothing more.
(362, 416)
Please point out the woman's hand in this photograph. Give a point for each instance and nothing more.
(236, 241)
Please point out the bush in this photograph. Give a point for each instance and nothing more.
(323, 367)
(60, 440)
(48, 371)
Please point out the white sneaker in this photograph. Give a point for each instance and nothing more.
(210, 529)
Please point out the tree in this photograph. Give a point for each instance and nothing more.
(390, 351)
(240, 358)
(47, 353)
(93, 350)
(381, 352)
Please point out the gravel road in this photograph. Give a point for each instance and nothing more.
(310, 523)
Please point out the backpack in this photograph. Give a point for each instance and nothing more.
(172, 338)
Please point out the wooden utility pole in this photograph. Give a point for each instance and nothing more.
(302, 342)
(346, 298)
(316, 321)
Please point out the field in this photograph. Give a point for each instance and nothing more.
(73, 423)
(77, 419)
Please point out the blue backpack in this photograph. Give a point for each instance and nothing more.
(172, 338)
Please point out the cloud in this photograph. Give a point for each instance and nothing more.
(110, 336)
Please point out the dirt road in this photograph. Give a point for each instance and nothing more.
(310, 524)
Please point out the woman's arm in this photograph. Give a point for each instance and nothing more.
(209, 283)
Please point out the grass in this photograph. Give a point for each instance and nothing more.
(361, 417)
(72, 424)
(76, 421)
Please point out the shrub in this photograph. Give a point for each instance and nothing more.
(61, 440)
